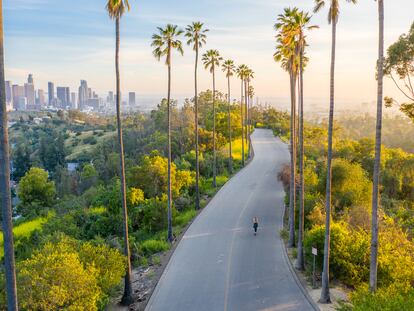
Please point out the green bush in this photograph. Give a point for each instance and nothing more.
(183, 218)
(391, 298)
(150, 247)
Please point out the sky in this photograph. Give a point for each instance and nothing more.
(65, 41)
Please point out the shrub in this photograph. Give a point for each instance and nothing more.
(150, 247)
(183, 218)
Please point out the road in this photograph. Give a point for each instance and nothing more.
(219, 263)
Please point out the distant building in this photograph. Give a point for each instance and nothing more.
(110, 98)
(131, 99)
(51, 92)
(83, 95)
(29, 93)
(22, 103)
(73, 100)
(30, 79)
(94, 103)
(41, 98)
(9, 97)
(17, 93)
(89, 93)
(63, 95)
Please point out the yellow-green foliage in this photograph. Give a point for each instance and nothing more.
(68, 275)
(392, 298)
(154, 246)
(53, 279)
(236, 147)
(23, 230)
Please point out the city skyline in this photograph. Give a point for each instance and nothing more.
(82, 46)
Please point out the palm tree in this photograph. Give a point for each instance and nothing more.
(298, 25)
(211, 60)
(249, 77)
(333, 16)
(117, 8)
(196, 36)
(287, 54)
(375, 191)
(228, 67)
(241, 74)
(9, 262)
(164, 43)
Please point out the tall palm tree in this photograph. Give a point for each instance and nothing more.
(228, 67)
(241, 72)
(211, 60)
(116, 9)
(296, 28)
(287, 54)
(196, 36)
(9, 262)
(249, 77)
(333, 16)
(375, 191)
(164, 43)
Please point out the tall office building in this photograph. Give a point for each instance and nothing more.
(89, 93)
(83, 95)
(30, 79)
(73, 103)
(131, 99)
(17, 93)
(110, 98)
(51, 92)
(41, 98)
(9, 97)
(29, 92)
(63, 95)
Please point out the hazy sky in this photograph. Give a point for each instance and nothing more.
(67, 40)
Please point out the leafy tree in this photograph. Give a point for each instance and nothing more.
(164, 43)
(116, 9)
(400, 62)
(88, 176)
(333, 16)
(196, 36)
(55, 279)
(21, 162)
(52, 151)
(36, 192)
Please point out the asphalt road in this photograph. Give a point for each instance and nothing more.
(220, 264)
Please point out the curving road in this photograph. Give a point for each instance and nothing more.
(219, 264)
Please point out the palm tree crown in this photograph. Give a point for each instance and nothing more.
(228, 67)
(241, 71)
(333, 9)
(211, 59)
(117, 8)
(165, 41)
(196, 35)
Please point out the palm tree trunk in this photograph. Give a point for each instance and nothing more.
(214, 131)
(170, 233)
(197, 194)
(127, 297)
(9, 262)
(229, 125)
(242, 122)
(246, 101)
(375, 191)
(292, 192)
(300, 263)
(325, 295)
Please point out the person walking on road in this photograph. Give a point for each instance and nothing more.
(255, 224)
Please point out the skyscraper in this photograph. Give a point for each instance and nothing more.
(41, 98)
(30, 79)
(9, 97)
(29, 92)
(17, 93)
(110, 98)
(51, 92)
(131, 99)
(73, 102)
(63, 95)
(83, 95)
